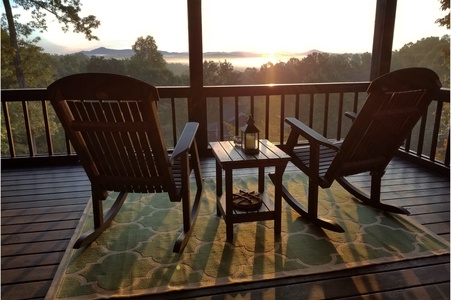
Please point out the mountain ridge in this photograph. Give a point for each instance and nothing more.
(126, 53)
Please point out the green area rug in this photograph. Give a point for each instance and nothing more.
(134, 256)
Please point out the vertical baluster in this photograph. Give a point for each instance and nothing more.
(296, 109)
(26, 116)
(436, 130)
(267, 118)
(421, 135)
(47, 128)
(408, 142)
(326, 115)
(221, 118)
(12, 150)
(310, 121)
(174, 122)
(340, 116)
(447, 152)
(282, 119)
(236, 115)
(68, 144)
(356, 102)
(252, 108)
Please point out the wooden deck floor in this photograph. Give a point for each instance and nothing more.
(42, 206)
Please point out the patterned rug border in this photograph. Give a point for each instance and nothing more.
(52, 292)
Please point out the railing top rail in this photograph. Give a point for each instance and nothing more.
(30, 94)
(12, 95)
(284, 89)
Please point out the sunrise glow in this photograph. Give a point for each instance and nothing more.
(260, 26)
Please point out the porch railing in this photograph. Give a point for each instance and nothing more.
(31, 132)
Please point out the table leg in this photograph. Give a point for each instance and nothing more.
(229, 204)
(218, 187)
(261, 179)
(278, 199)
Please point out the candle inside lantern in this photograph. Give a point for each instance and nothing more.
(250, 135)
(250, 141)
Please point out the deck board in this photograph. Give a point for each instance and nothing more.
(42, 206)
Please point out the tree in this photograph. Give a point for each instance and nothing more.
(148, 64)
(250, 76)
(102, 65)
(445, 20)
(38, 66)
(39, 72)
(220, 73)
(69, 64)
(211, 70)
(65, 11)
(431, 52)
(146, 51)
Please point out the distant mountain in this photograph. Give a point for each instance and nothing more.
(109, 53)
(312, 51)
(102, 51)
(178, 61)
(126, 53)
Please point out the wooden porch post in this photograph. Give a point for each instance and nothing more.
(197, 104)
(383, 37)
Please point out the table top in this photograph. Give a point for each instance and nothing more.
(228, 155)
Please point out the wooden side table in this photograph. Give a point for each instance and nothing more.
(228, 157)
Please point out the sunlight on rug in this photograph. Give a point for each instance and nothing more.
(134, 256)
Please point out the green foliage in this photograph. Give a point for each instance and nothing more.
(445, 20)
(67, 12)
(39, 70)
(316, 67)
(431, 52)
(220, 73)
(102, 65)
(148, 64)
(69, 64)
(146, 52)
(37, 66)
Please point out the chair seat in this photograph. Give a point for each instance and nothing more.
(302, 153)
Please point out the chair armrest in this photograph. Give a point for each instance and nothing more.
(351, 115)
(310, 134)
(185, 141)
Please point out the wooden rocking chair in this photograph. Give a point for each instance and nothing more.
(113, 125)
(395, 103)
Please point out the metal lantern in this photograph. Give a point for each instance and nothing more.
(250, 137)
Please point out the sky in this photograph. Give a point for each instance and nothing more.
(265, 26)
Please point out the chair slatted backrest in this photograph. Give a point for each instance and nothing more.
(395, 103)
(113, 125)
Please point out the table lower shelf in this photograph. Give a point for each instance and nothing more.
(265, 212)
